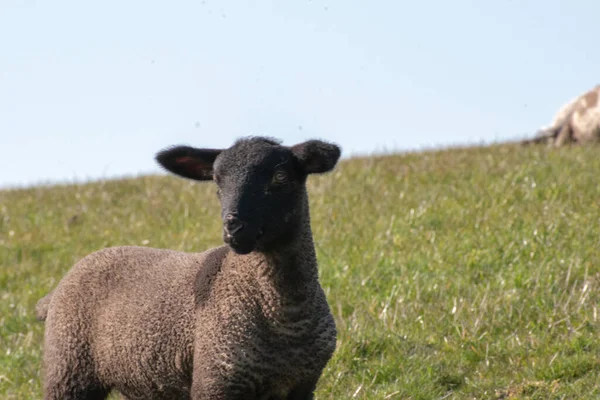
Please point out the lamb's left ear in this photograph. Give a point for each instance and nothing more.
(317, 156)
(189, 162)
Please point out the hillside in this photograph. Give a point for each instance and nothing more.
(461, 273)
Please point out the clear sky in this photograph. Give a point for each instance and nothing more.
(92, 90)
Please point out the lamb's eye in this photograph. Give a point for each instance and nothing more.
(279, 177)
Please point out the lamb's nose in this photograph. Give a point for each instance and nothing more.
(233, 224)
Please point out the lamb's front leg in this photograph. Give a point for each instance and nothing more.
(565, 136)
(304, 391)
(209, 383)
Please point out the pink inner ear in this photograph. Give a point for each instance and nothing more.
(193, 165)
(184, 160)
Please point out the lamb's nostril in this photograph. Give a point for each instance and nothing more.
(232, 224)
(230, 217)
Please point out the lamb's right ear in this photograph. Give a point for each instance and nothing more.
(189, 162)
(317, 156)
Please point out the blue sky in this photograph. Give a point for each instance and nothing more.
(93, 90)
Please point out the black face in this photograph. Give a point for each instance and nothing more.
(261, 186)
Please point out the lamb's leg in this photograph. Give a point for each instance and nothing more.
(69, 373)
(543, 136)
(67, 390)
(72, 384)
(215, 388)
(304, 391)
(564, 136)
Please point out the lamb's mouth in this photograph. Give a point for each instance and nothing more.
(242, 244)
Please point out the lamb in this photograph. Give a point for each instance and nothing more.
(246, 320)
(578, 121)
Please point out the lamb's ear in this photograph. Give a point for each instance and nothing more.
(317, 156)
(189, 162)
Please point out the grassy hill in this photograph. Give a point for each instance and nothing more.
(462, 273)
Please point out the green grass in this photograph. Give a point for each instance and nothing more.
(461, 274)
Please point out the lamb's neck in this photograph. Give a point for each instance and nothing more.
(289, 275)
(296, 262)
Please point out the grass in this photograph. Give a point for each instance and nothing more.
(460, 274)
